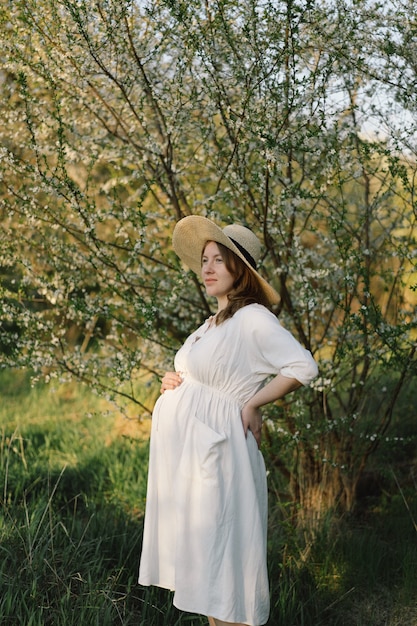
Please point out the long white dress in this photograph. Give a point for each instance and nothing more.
(206, 509)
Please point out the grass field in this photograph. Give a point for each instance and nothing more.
(72, 493)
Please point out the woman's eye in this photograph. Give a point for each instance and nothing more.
(216, 260)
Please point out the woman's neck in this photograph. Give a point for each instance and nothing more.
(222, 303)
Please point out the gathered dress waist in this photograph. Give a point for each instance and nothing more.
(222, 393)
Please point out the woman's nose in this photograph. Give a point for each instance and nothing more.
(208, 267)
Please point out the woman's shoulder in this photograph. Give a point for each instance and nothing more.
(256, 314)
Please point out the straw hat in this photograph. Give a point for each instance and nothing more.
(192, 232)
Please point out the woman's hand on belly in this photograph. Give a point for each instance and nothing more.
(170, 381)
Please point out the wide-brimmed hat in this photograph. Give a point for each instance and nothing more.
(191, 234)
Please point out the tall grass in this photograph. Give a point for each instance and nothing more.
(72, 493)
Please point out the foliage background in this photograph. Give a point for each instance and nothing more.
(294, 118)
(72, 494)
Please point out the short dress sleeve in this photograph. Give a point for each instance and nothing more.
(275, 349)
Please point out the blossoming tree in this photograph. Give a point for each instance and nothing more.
(297, 119)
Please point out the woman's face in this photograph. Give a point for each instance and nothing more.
(217, 278)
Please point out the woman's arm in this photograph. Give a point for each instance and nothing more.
(277, 388)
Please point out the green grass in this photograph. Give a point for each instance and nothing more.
(72, 494)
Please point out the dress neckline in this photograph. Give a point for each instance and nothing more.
(209, 323)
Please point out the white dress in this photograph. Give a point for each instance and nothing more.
(206, 509)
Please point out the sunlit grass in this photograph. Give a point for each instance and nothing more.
(72, 493)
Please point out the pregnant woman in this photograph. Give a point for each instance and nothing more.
(206, 509)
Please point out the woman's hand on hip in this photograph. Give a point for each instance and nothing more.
(170, 381)
(252, 420)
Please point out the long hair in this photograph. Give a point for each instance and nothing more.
(246, 288)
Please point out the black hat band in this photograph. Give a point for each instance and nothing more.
(245, 253)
